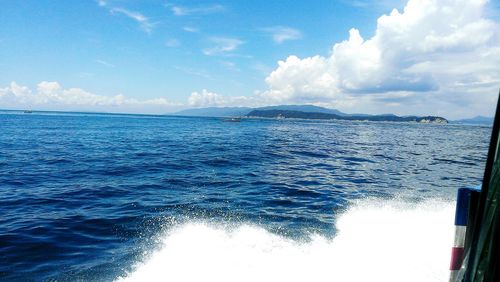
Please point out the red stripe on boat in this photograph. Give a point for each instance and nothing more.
(457, 257)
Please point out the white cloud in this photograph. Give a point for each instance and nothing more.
(143, 21)
(190, 29)
(437, 52)
(15, 93)
(357, 3)
(222, 45)
(172, 42)
(52, 96)
(206, 98)
(200, 10)
(194, 71)
(230, 66)
(302, 80)
(104, 63)
(281, 34)
(374, 5)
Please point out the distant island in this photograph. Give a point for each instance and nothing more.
(304, 112)
(311, 115)
(478, 120)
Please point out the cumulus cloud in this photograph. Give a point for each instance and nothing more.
(439, 52)
(52, 96)
(222, 45)
(302, 79)
(206, 98)
(281, 34)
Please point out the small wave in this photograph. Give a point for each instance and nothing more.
(357, 160)
(391, 241)
(465, 163)
(311, 154)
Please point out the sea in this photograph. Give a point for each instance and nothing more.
(110, 197)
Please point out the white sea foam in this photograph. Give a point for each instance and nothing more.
(376, 241)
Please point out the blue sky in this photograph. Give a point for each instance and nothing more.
(161, 56)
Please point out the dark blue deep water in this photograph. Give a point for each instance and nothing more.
(82, 196)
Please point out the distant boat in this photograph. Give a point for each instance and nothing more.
(234, 119)
(28, 111)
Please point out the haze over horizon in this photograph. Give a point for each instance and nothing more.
(421, 57)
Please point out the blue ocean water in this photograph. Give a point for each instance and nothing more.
(90, 196)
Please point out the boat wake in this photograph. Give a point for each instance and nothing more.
(375, 241)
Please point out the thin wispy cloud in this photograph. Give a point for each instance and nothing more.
(262, 68)
(198, 10)
(222, 45)
(86, 74)
(358, 3)
(142, 20)
(104, 63)
(196, 72)
(230, 66)
(281, 34)
(101, 3)
(172, 42)
(191, 29)
(379, 5)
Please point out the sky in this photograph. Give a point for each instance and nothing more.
(416, 57)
